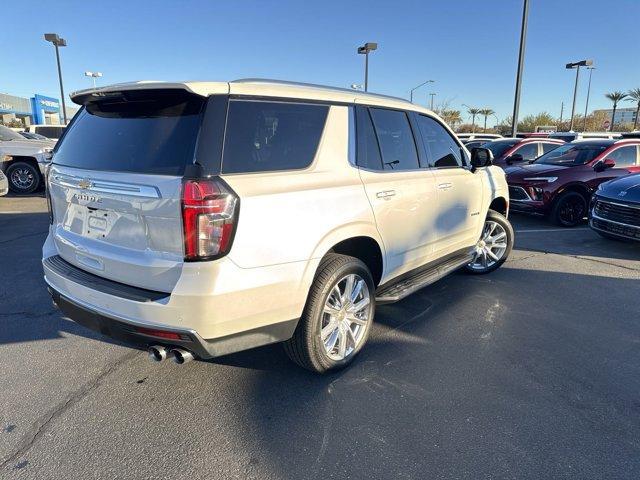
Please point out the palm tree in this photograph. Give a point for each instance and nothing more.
(615, 97)
(452, 117)
(634, 96)
(473, 112)
(486, 112)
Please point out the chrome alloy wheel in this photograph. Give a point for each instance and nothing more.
(22, 178)
(490, 248)
(345, 318)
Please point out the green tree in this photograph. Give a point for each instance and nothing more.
(615, 97)
(452, 117)
(633, 95)
(486, 112)
(473, 112)
(530, 122)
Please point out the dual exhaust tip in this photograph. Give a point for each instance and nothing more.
(158, 353)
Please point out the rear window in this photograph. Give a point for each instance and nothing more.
(151, 132)
(264, 136)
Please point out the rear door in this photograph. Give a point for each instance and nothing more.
(401, 193)
(116, 182)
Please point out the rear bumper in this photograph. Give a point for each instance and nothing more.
(209, 323)
(126, 331)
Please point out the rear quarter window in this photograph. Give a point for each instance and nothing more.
(263, 136)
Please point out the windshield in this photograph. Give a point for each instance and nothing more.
(572, 154)
(7, 134)
(499, 147)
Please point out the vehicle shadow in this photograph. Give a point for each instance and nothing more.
(537, 234)
(471, 374)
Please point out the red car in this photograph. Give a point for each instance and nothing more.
(560, 183)
(509, 151)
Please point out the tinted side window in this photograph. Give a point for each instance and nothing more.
(624, 157)
(395, 139)
(368, 149)
(528, 151)
(441, 148)
(547, 147)
(268, 136)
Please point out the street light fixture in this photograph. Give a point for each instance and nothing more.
(576, 65)
(58, 42)
(356, 86)
(364, 50)
(415, 88)
(93, 75)
(586, 107)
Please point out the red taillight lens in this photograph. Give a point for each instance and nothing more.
(209, 215)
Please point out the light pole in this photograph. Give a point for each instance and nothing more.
(93, 75)
(415, 88)
(523, 41)
(586, 107)
(432, 95)
(364, 50)
(576, 65)
(58, 42)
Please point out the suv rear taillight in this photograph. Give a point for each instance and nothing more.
(209, 217)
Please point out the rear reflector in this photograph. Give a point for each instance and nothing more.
(209, 216)
(160, 333)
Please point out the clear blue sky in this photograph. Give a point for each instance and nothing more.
(468, 46)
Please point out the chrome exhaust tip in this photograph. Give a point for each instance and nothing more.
(158, 353)
(181, 356)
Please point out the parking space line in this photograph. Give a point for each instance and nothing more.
(542, 230)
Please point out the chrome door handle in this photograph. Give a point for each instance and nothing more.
(386, 194)
(445, 186)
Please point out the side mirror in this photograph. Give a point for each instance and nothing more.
(605, 164)
(480, 157)
(515, 158)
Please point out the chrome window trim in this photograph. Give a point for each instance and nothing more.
(105, 186)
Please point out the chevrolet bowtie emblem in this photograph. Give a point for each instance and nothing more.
(84, 184)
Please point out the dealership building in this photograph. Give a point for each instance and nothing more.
(37, 110)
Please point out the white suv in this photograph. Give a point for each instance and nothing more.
(200, 219)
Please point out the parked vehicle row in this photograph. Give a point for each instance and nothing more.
(560, 183)
(23, 160)
(199, 219)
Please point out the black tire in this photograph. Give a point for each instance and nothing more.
(23, 177)
(500, 219)
(305, 347)
(569, 209)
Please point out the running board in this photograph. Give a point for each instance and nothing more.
(405, 286)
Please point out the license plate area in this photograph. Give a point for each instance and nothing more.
(97, 223)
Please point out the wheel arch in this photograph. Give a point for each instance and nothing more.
(359, 240)
(500, 205)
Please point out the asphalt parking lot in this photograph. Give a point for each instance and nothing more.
(530, 372)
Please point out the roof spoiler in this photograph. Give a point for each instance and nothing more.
(89, 95)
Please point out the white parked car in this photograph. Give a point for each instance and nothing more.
(4, 184)
(52, 132)
(23, 160)
(200, 219)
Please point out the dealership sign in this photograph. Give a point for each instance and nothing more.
(48, 103)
